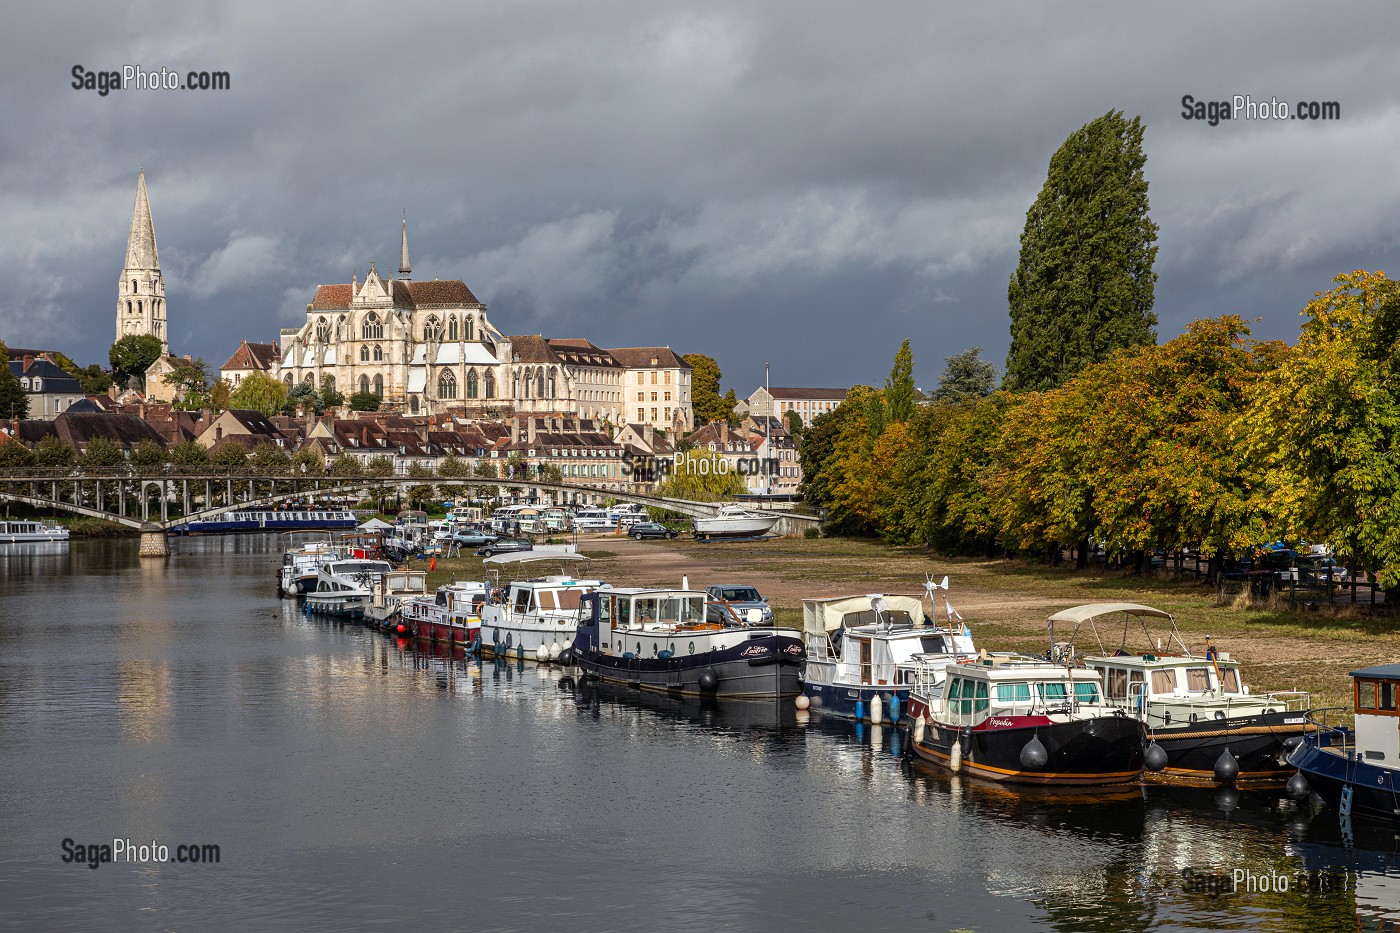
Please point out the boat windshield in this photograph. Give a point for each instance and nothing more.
(669, 610)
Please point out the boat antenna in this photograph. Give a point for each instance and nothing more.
(879, 605)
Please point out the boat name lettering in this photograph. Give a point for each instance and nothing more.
(753, 651)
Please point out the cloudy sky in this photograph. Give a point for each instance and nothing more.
(804, 183)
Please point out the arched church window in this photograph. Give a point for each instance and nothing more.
(452, 327)
(471, 327)
(515, 385)
(323, 330)
(539, 382)
(128, 307)
(490, 384)
(378, 353)
(133, 286)
(310, 379)
(432, 330)
(372, 328)
(471, 383)
(364, 383)
(339, 328)
(552, 385)
(379, 386)
(364, 353)
(447, 385)
(413, 405)
(138, 307)
(287, 380)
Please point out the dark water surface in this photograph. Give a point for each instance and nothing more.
(352, 784)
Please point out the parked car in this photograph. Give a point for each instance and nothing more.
(473, 538)
(651, 530)
(739, 598)
(502, 545)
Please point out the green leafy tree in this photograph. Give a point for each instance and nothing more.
(965, 376)
(728, 409)
(14, 455)
(102, 452)
(793, 422)
(1327, 425)
(305, 395)
(14, 401)
(190, 380)
(219, 394)
(1084, 285)
(259, 392)
(148, 454)
(420, 494)
(701, 476)
(346, 465)
(228, 455)
(818, 446)
(51, 454)
(267, 457)
(705, 400)
(132, 355)
(308, 460)
(550, 473)
(487, 469)
(187, 455)
(330, 397)
(901, 394)
(380, 465)
(365, 401)
(93, 378)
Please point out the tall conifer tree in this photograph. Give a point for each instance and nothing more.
(1084, 285)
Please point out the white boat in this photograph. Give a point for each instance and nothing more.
(301, 561)
(395, 589)
(346, 587)
(452, 614)
(535, 619)
(30, 532)
(864, 653)
(734, 521)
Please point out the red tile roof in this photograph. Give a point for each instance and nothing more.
(254, 356)
(642, 357)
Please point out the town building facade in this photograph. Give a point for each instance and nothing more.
(777, 401)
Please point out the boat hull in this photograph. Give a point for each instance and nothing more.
(760, 668)
(337, 604)
(840, 699)
(1375, 791)
(1256, 742)
(1087, 752)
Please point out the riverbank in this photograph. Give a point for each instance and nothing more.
(1005, 602)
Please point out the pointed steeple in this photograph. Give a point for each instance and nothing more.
(405, 271)
(141, 242)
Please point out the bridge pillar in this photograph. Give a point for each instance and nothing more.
(154, 541)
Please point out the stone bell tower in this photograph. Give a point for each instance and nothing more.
(141, 291)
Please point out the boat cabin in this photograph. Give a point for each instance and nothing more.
(873, 640)
(1008, 688)
(548, 596)
(627, 610)
(1377, 705)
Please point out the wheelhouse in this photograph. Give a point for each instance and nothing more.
(1376, 702)
(1007, 689)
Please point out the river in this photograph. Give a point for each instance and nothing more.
(351, 783)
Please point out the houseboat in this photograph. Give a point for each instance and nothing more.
(345, 588)
(535, 618)
(1198, 709)
(452, 614)
(658, 639)
(23, 531)
(302, 560)
(1356, 770)
(390, 593)
(861, 651)
(1023, 721)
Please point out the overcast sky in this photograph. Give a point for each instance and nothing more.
(804, 183)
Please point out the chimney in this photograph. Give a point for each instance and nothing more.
(28, 361)
(530, 428)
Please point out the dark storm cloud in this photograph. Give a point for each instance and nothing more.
(801, 183)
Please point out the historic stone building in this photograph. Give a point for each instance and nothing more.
(141, 290)
(428, 348)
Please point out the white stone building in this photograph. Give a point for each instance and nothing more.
(141, 289)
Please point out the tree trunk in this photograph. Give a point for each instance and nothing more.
(1081, 557)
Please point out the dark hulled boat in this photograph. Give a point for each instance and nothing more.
(660, 640)
(1357, 771)
(1023, 721)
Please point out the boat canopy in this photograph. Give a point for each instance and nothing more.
(827, 615)
(1081, 614)
(525, 557)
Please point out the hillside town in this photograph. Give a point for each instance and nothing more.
(415, 371)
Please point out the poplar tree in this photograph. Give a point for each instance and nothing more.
(1084, 284)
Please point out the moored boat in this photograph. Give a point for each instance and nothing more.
(659, 639)
(269, 520)
(1023, 721)
(25, 531)
(1356, 770)
(534, 619)
(301, 561)
(393, 590)
(861, 651)
(1197, 709)
(345, 588)
(452, 614)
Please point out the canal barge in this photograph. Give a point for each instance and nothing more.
(1023, 721)
(1356, 770)
(660, 639)
(535, 618)
(1197, 708)
(452, 614)
(24, 531)
(269, 520)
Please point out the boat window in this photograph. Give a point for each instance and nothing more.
(1086, 693)
(605, 604)
(1163, 681)
(1013, 693)
(646, 611)
(981, 696)
(933, 645)
(1116, 684)
(1197, 679)
(1052, 692)
(1388, 695)
(624, 613)
(544, 599)
(694, 609)
(1365, 694)
(568, 599)
(522, 600)
(954, 688)
(1231, 680)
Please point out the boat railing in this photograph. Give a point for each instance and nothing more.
(1330, 731)
(1279, 701)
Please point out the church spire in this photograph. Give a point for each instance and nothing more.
(405, 271)
(141, 242)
